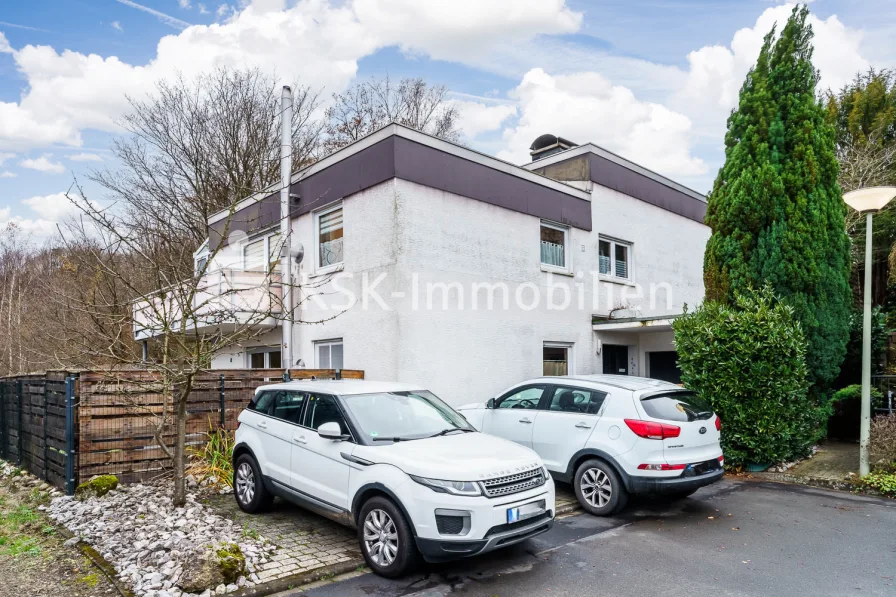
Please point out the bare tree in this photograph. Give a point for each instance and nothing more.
(370, 105)
(195, 147)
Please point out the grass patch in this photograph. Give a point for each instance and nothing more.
(213, 458)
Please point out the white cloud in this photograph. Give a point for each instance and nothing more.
(5, 48)
(5, 156)
(117, 26)
(85, 157)
(68, 92)
(478, 117)
(202, 9)
(43, 164)
(712, 84)
(7, 174)
(587, 107)
(185, 4)
(55, 207)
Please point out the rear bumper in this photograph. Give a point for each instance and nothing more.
(439, 550)
(661, 485)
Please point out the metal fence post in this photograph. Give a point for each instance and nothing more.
(46, 444)
(222, 398)
(286, 375)
(21, 427)
(4, 430)
(70, 435)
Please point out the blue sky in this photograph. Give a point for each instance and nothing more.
(651, 80)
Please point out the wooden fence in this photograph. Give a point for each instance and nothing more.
(98, 423)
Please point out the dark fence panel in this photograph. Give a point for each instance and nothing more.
(112, 424)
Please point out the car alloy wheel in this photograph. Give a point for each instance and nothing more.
(245, 483)
(380, 538)
(596, 487)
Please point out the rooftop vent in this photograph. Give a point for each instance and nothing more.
(547, 145)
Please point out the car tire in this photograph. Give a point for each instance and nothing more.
(599, 489)
(385, 537)
(248, 487)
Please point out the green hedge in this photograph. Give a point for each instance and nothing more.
(748, 361)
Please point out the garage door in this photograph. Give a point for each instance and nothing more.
(663, 365)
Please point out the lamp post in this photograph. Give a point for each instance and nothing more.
(867, 201)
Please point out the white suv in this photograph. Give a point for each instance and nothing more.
(393, 461)
(610, 435)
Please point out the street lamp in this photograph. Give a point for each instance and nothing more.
(867, 201)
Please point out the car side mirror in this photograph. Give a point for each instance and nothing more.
(330, 430)
(490, 403)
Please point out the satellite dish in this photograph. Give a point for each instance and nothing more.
(297, 253)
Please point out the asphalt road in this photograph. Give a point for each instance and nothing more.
(734, 538)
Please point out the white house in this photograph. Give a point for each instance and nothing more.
(448, 267)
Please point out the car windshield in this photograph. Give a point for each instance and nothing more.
(398, 416)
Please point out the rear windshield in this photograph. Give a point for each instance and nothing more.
(676, 406)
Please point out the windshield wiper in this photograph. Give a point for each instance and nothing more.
(392, 439)
(447, 431)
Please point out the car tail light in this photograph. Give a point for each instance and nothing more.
(237, 423)
(718, 423)
(662, 467)
(722, 459)
(650, 430)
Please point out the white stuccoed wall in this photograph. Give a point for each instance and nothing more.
(419, 235)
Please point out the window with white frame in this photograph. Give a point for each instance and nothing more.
(614, 258)
(328, 354)
(329, 234)
(255, 250)
(264, 358)
(553, 245)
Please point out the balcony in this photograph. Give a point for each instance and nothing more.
(225, 300)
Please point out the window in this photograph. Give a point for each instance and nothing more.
(265, 358)
(288, 406)
(577, 400)
(553, 245)
(261, 403)
(556, 359)
(527, 398)
(329, 230)
(614, 258)
(328, 354)
(677, 406)
(324, 409)
(254, 253)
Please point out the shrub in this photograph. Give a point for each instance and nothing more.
(854, 392)
(882, 447)
(748, 361)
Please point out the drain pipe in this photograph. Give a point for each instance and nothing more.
(285, 224)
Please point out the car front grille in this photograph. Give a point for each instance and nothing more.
(501, 486)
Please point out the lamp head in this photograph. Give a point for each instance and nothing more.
(869, 199)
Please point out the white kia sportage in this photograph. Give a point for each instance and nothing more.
(610, 435)
(393, 461)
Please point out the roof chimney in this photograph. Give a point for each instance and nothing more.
(546, 145)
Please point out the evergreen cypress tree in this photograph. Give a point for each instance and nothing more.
(776, 210)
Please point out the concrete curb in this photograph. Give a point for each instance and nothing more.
(822, 482)
(303, 578)
(568, 509)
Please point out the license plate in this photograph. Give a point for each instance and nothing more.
(525, 511)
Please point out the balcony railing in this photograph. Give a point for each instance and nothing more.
(224, 299)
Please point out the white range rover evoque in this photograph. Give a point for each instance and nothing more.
(393, 461)
(610, 435)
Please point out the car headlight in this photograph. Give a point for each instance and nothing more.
(467, 488)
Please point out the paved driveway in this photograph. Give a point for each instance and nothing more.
(734, 538)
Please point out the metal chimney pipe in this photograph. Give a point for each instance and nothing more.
(285, 224)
